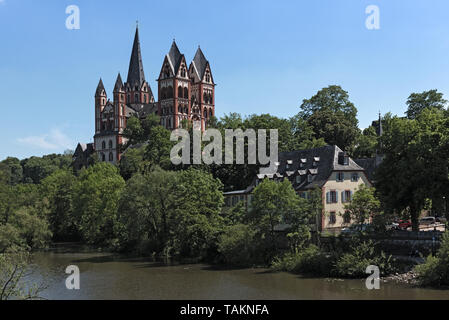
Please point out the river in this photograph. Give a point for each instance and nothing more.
(110, 276)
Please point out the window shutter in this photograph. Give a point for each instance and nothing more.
(343, 199)
(327, 197)
(336, 197)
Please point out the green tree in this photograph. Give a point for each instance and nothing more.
(58, 191)
(367, 144)
(415, 167)
(146, 207)
(158, 149)
(417, 102)
(133, 131)
(95, 202)
(274, 203)
(332, 117)
(363, 205)
(13, 170)
(132, 161)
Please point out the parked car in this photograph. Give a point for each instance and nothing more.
(441, 219)
(404, 224)
(357, 228)
(427, 220)
(393, 226)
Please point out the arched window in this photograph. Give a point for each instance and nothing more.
(179, 109)
(103, 157)
(110, 144)
(205, 113)
(183, 72)
(205, 97)
(103, 145)
(166, 72)
(128, 98)
(169, 92)
(136, 98)
(180, 92)
(210, 113)
(186, 93)
(111, 156)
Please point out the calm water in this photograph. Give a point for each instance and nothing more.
(106, 276)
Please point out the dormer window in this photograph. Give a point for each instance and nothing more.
(343, 159)
(340, 176)
(289, 163)
(309, 178)
(298, 179)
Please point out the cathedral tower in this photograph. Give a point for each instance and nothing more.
(203, 90)
(174, 89)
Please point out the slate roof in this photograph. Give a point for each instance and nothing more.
(135, 72)
(118, 83)
(328, 157)
(200, 63)
(174, 57)
(369, 164)
(100, 88)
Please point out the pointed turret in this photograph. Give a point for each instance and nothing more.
(135, 72)
(200, 62)
(118, 84)
(174, 56)
(100, 89)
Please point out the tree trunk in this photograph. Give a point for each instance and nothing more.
(414, 217)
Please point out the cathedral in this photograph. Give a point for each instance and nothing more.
(185, 92)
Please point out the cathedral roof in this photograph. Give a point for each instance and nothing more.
(135, 72)
(200, 63)
(174, 57)
(100, 88)
(118, 83)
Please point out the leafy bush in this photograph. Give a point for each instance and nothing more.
(310, 260)
(435, 271)
(236, 245)
(353, 264)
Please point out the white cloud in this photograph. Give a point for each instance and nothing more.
(54, 140)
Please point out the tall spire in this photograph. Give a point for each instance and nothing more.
(100, 88)
(135, 72)
(200, 62)
(118, 83)
(380, 125)
(174, 56)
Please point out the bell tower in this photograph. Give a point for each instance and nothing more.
(203, 91)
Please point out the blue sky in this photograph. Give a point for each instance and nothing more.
(266, 57)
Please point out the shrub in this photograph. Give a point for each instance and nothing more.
(310, 260)
(435, 271)
(353, 264)
(236, 245)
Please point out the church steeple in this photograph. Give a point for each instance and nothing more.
(118, 84)
(135, 72)
(100, 89)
